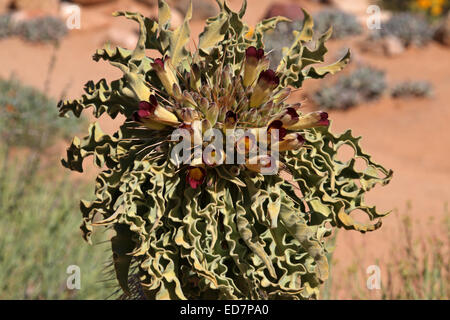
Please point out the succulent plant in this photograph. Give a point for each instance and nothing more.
(363, 84)
(344, 24)
(410, 28)
(203, 228)
(412, 88)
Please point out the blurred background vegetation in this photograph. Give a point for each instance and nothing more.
(418, 268)
(40, 218)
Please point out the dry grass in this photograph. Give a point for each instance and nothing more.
(417, 267)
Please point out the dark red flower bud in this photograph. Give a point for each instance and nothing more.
(270, 77)
(278, 125)
(230, 119)
(310, 120)
(252, 52)
(158, 63)
(253, 58)
(324, 119)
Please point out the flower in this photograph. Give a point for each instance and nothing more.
(267, 82)
(166, 73)
(436, 10)
(288, 117)
(152, 115)
(292, 141)
(189, 115)
(282, 95)
(195, 176)
(424, 4)
(253, 57)
(230, 120)
(310, 120)
(276, 125)
(250, 33)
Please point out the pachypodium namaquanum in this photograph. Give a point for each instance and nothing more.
(210, 229)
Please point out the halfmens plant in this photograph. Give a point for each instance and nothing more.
(206, 230)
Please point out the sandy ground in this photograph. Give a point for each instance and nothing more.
(411, 136)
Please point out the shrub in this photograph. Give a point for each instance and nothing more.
(204, 229)
(6, 29)
(28, 117)
(42, 29)
(412, 88)
(45, 29)
(364, 84)
(409, 28)
(344, 24)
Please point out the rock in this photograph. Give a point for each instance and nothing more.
(392, 46)
(201, 9)
(372, 46)
(289, 10)
(122, 37)
(442, 33)
(388, 45)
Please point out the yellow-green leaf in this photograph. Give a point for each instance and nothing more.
(213, 33)
(179, 38)
(163, 14)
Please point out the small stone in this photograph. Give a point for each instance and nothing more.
(289, 10)
(389, 45)
(372, 45)
(393, 46)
